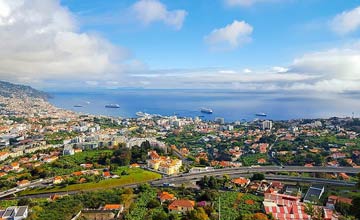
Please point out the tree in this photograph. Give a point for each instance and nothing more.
(24, 202)
(355, 207)
(160, 216)
(343, 208)
(358, 182)
(316, 213)
(257, 176)
(153, 204)
(260, 216)
(198, 214)
(122, 157)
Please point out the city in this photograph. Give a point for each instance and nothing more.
(49, 154)
(179, 110)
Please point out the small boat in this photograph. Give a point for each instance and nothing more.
(206, 110)
(261, 114)
(78, 106)
(112, 106)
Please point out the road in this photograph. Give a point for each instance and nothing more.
(282, 178)
(228, 171)
(265, 169)
(179, 181)
(37, 183)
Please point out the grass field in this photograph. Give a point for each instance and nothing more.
(135, 175)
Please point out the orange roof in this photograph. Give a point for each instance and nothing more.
(78, 173)
(261, 160)
(165, 196)
(15, 164)
(344, 176)
(58, 178)
(134, 165)
(182, 203)
(240, 181)
(112, 206)
(3, 153)
(107, 173)
(55, 196)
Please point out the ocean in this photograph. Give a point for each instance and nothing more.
(229, 104)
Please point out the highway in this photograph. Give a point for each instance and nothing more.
(186, 177)
(281, 178)
(249, 170)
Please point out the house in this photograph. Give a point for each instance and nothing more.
(114, 207)
(55, 197)
(15, 213)
(263, 147)
(332, 200)
(106, 174)
(261, 161)
(314, 193)
(344, 176)
(77, 173)
(15, 166)
(58, 180)
(338, 155)
(241, 181)
(181, 206)
(284, 207)
(4, 155)
(86, 165)
(50, 159)
(163, 164)
(276, 186)
(165, 196)
(134, 165)
(23, 182)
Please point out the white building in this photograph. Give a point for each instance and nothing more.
(16, 213)
(267, 125)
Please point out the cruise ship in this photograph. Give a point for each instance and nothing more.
(142, 114)
(112, 106)
(206, 110)
(262, 114)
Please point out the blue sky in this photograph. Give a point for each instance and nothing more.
(250, 45)
(282, 31)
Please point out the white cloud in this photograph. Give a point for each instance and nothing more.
(149, 11)
(39, 40)
(337, 70)
(247, 3)
(247, 70)
(279, 69)
(339, 63)
(227, 71)
(346, 22)
(231, 36)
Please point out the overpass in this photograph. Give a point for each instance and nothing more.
(265, 169)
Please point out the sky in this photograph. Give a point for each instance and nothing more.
(307, 46)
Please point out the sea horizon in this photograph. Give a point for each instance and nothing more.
(232, 105)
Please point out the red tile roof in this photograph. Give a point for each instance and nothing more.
(181, 203)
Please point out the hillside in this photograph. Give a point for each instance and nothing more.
(9, 90)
